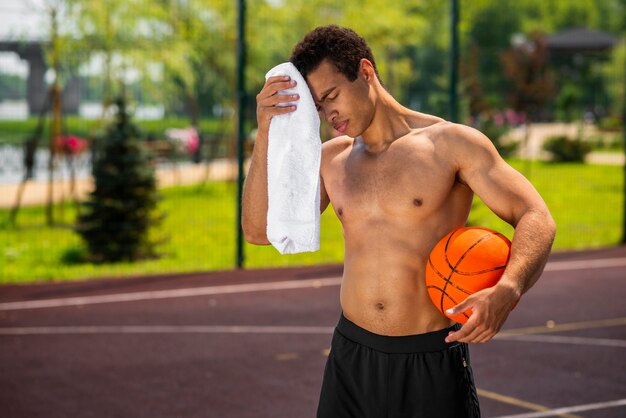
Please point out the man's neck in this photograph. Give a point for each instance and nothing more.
(388, 124)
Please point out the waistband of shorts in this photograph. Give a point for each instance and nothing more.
(418, 343)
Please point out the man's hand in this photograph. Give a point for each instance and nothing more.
(490, 308)
(268, 100)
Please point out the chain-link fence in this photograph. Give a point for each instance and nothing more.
(537, 89)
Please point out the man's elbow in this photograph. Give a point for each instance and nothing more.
(548, 224)
(255, 237)
(551, 225)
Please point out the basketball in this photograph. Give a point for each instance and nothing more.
(462, 263)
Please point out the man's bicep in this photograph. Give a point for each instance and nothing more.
(502, 188)
(505, 191)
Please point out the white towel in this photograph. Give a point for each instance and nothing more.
(293, 171)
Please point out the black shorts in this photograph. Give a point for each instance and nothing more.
(416, 376)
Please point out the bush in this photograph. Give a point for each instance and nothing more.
(120, 211)
(607, 142)
(565, 149)
(611, 123)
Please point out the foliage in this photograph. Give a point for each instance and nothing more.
(607, 141)
(120, 210)
(568, 102)
(615, 73)
(15, 131)
(183, 52)
(611, 123)
(567, 150)
(526, 66)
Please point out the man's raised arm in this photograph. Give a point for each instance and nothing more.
(254, 211)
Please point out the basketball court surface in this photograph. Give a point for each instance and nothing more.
(247, 344)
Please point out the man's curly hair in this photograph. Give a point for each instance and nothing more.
(341, 46)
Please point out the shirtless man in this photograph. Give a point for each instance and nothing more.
(398, 180)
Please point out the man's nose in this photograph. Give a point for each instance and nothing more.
(329, 114)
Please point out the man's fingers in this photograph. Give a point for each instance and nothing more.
(276, 79)
(273, 88)
(270, 90)
(483, 336)
(279, 98)
(279, 110)
(461, 307)
(472, 336)
(270, 103)
(468, 332)
(460, 334)
(271, 106)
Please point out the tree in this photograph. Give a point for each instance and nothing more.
(532, 84)
(526, 66)
(120, 211)
(106, 30)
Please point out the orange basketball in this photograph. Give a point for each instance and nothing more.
(462, 263)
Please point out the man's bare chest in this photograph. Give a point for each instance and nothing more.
(395, 184)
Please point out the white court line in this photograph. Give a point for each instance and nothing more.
(172, 293)
(167, 329)
(560, 411)
(254, 287)
(585, 264)
(557, 339)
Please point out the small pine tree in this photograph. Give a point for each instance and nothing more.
(120, 211)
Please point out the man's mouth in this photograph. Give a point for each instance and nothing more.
(341, 127)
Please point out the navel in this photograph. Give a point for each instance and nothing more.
(340, 211)
(380, 306)
(417, 202)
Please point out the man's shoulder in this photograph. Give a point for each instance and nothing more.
(463, 144)
(446, 132)
(337, 144)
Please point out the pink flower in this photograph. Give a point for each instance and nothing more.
(70, 144)
(515, 118)
(498, 119)
(193, 142)
(185, 139)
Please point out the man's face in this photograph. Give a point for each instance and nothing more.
(344, 104)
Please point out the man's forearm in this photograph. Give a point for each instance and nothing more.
(254, 211)
(534, 235)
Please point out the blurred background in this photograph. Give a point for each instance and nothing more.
(543, 79)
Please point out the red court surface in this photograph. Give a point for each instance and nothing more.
(253, 344)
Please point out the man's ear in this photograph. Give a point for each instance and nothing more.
(367, 69)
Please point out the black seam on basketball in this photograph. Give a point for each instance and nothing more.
(474, 273)
(484, 237)
(430, 262)
(454, 268)
(461, 289)
(445, 249)
(467, 292)
(443, 293)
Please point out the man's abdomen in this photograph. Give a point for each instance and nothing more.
(388, 297)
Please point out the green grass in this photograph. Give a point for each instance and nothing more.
(586, 202)
(199, 230)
